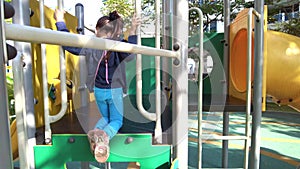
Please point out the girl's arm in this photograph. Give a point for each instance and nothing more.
(136, 21)
(61, 26)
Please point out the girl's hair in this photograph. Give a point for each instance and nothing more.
(112, 23)
(102, 23)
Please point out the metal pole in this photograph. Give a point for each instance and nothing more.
(63, 86)
(5, 151)
(226, 42)
(248, 99)
(225, 142)
(139, 83)
(158, 129)
(180, 83)
(257, 92)
(249, 71)
(26, 125)
(166, 34)
(44, 77)
(79, 13)
(200, 85)
(50, 119)
(19, 95)
(225, 81)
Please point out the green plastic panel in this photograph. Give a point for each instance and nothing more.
(212, 43)
(70, 147)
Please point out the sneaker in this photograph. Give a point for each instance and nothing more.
(99, 144)
(91, 140)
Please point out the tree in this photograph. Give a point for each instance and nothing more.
(292, 25)
(212, 11)
(126, 9)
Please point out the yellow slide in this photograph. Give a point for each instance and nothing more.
(283, 68)
(14, 139)
(281, 79)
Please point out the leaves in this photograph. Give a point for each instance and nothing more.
(124, 7)
(10, 93)
(213, 11)
(291, 27)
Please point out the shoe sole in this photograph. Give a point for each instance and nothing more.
(101, 153)
(97, 147)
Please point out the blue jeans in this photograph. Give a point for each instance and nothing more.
(110, 104)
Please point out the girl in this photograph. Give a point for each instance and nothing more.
(106, 77)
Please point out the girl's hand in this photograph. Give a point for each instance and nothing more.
(59, 15)
(136, 21)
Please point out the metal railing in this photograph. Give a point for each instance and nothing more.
(28, 34)
(47, 36)
(248, 99)
(157, 115)
(6, 149)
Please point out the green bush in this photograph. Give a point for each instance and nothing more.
(10, 93)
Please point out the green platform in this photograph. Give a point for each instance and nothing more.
(70, 147)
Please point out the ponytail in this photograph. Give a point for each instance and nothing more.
(114, 16)
(117, 22)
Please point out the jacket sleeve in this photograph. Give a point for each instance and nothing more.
(129, 56)
(61, 26)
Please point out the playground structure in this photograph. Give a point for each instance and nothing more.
(180, 93)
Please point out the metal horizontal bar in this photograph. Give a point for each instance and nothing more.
(214, 137)
(40, 35)
(257, 14)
